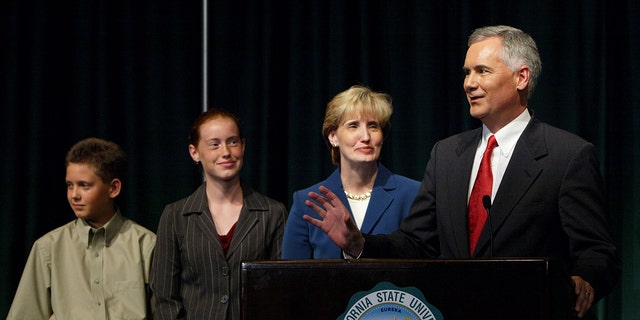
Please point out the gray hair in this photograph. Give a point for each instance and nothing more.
(518, 48)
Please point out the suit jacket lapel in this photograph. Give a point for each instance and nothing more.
(204, 222)
(245, 223)
(522, 171)
(380, 199)
(247, 220)
(203, 219)
(458, 188)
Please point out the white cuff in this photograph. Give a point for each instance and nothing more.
(350, 257)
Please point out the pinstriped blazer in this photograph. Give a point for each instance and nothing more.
(190, 276)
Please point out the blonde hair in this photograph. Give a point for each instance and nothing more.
(357, 100)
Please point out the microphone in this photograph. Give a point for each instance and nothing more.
(486, 202)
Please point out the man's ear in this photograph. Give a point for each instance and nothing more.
(524, 74)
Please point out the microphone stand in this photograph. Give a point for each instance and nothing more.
(486, 202)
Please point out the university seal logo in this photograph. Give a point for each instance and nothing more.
(389, 302)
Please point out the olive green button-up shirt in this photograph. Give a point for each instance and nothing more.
(78, 272)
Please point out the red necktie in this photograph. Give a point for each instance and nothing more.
(482, 187)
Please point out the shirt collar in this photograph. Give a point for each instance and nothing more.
(508, 136)
(112, 227)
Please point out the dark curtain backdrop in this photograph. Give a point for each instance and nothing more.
(132, 72)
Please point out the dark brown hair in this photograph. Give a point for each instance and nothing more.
(107, 159)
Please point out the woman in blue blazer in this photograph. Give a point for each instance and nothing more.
(356, 122)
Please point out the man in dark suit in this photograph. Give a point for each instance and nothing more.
(546, 189)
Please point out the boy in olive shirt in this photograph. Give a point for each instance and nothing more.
(97, 266)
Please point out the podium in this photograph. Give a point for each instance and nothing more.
(519, 288)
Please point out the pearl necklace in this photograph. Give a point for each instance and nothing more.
(358, 197)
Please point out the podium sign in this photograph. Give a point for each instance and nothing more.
(459, 289)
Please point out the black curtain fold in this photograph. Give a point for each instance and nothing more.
(131, 72)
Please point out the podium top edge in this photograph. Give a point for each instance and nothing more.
(250, 264)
